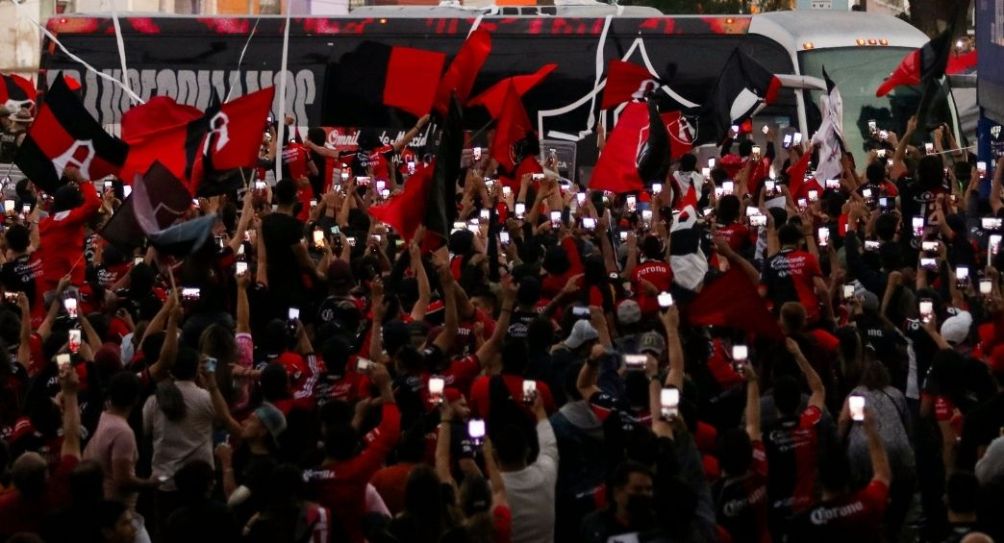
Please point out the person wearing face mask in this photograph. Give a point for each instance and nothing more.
(630, 510)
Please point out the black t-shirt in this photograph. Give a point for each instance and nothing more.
(281, 232)
(982, 425)
(19, 275)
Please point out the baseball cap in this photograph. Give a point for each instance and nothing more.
(582, 332)
(652, 342)
(955, 329)
(272, 419)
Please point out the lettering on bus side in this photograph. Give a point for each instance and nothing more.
(106, 101)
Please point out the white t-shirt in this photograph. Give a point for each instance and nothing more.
(178, 443)
(531, 492)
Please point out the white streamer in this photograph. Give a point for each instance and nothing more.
(75, 58)
(282, 99)
(120, 43)
(240, 61)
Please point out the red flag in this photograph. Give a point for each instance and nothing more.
(961, 63)
(907, 73)
(151, 130)
(513, 126)
(406, 211)
(733, 300)
(463, 70)
(190, 143)
(681, 133)
(796, 175)
(617, 167)
(494, 97)
(412, 79)
(626, 81)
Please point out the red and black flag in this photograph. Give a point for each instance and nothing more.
(16, 93)
(494, 97)
(743, 89)
(65, 135)
(406, 211)
(924, 64)
(169, 201)
(428, 197)
(627, 81)
(511, 130)
(464, 68)
(193, 145)
(638, 151)
(375, 75)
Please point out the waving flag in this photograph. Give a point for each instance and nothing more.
(16, 92)
(180, 239)
(922, 64)
(428, 195)
(513, 126)
(412, 79)
(494, 97)
(743, 89)
(65, 135)
(463, 70)
(169, 201)
(830, 136)
(191, 144)
(732, 300)
(637, 151)
(627, 81)
(405, 211)
(440, 200)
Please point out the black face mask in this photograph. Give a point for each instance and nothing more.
(639, 507)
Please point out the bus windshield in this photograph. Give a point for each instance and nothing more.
(857, 72)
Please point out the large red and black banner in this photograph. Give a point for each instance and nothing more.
(191, 59)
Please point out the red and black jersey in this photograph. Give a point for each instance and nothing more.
(856, 518)
(741, 502)
(790, 276)
(791, 445)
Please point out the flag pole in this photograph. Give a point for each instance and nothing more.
(282, 96)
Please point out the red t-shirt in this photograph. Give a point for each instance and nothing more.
(656, 272)
(736, 235)
(62, 241)
(18, 514)
(341, 485)
(856, 518)
(479, 397)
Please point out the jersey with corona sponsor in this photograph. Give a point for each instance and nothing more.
(741, 501)
(857, 518)
(791, 444)
(656, 272)
(790, 276)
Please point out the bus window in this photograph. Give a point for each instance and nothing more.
(857, 73)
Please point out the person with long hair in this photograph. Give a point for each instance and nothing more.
(179, 417)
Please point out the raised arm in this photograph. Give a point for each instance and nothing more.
(586, 382)
(752, 403)
(69, 382)
(24, 346)
(446, 338)
(220, 407)
(671, 323)
(818, 396)
(161, 369)
(400, 144)
(995, 186)
(491, 346)
(422, 278)
(376, 328)
(243, 308)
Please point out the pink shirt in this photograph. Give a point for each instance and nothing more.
(114, 440)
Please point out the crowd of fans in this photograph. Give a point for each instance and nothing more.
(308, 375)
